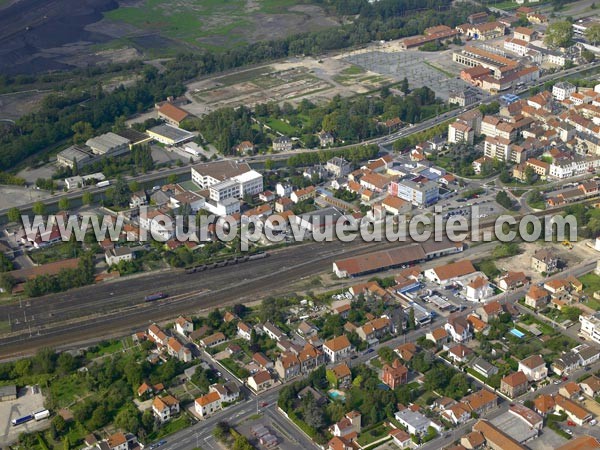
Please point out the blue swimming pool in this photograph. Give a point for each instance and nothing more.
(336, 395)
(517, 333)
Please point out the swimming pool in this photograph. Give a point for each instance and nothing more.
(336, 395)
(517, 333)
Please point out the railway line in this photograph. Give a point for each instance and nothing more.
(116, 308)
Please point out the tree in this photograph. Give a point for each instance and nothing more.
(87, 198)
(63, 204)
(39, 208)
(559, 34)
(128, 418)
(504, 200)
(592, 33)
(386, 354)
(120, 193)
(221, 430)
(13, 214)
(530, 175)
(83, 131)
(313, 415)
(60, 425)
(172, 179)
(404, 87)
(134, 186)
(588, 56)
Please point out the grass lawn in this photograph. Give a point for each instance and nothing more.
(68, 389)
(56, 252)
(104, 348)
(371, 435)
(282, 127)
(170, 427)
(591, 283)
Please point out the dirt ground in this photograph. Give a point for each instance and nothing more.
(522, 262)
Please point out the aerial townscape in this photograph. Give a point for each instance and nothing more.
(298, 224)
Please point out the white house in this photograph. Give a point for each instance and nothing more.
(184, 326)
(165, 407)
(415, 422)
(260, 381)
(534, 368)
(458, 328)
(208, 404)
(478, 289)
(244, 331)
(337, 348)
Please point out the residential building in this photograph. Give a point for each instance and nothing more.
(544, 260)
(481, 401)
(439, 336)
(260, 381)
(325, 138)
(272, 331)
(337, 348)
(261, 359)
(374, 329)
(158, 223)
(534, 368)
(157, 335)
(460, 132)
(184, 326)
(576, 413)
(458, 328)
(563, 90)
(525, 34)
(591, 386)
(459, 353)
(115, 255)
(340, 376)
(228, 392)
(244, 331)
(212, 340)
(287, 366)
(512, 280)
(401, 438)
(338, 167)
(415, 422)
(395, 374)
(590, 326)
(349, 425)
(537, 297)
(165, 407)
(282, 144)
(514, 384)
(208, 404)
(303, 194)
(483, 367)
(479, 289)
(178, 350)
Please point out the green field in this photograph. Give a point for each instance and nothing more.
(215, 24)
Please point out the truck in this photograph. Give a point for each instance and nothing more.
(41, 414)
(154, 297)
(22, 420)
(103, 183)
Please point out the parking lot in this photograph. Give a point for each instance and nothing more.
(420, 68)
(26, 403)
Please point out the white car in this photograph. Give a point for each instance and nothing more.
(593, 422)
